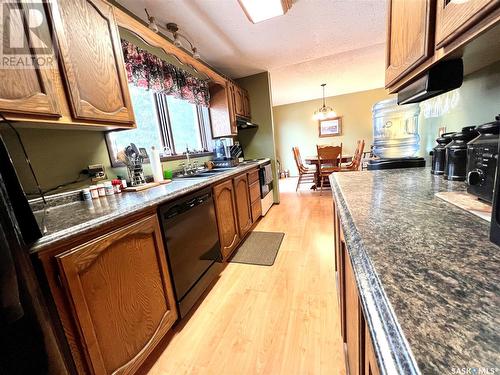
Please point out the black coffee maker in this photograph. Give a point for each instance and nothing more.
(456, 154)
(438, 154)
(482, 155)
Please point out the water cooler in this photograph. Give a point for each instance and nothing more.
(395, 136)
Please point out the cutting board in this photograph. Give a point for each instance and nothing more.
(149, 185)
(467, 202)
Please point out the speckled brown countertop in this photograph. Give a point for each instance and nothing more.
(427, 273)
(73, 219)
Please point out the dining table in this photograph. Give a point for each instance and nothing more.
(313, 160)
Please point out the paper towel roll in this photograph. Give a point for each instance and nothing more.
(156, 167)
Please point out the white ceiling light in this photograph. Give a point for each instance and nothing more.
(261, 10)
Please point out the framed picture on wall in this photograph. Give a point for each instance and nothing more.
(330, 127)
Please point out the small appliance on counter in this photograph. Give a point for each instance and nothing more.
(495, 215)
(482, 156)
(456, 154)
(395, 133)
(438, 154)
(226, 156)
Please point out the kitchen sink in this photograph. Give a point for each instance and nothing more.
(205, 173)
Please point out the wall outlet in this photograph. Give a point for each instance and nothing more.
(97, 172)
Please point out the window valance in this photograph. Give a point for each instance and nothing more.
(148, 71)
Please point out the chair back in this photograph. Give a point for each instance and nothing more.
(358, 155)
(298, 159)
(329, 155)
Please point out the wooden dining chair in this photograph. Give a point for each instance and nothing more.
(329, 158)
(306, 175)
(356, 159)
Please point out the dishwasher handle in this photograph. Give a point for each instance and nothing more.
(187, 205)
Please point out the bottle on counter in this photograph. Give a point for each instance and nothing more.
(94, 193)
(100, 190)
(108, 188)
(117, 186)
(86, 195)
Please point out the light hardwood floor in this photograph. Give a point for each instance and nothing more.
(282, 319)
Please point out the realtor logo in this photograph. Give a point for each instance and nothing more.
(26, 36)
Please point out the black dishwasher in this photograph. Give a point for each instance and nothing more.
(192, 244)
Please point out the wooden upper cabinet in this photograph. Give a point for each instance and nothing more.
(92, 60)
(121, 295)
(409, 36)
(23, 89)
(221, 111)
(241, 101)
(454, 17)
(246, 104)
(226, 217)
(243, 208)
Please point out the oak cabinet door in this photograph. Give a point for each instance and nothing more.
(246, 104)
(240, 108)
(409, 36)
(243, 208)
(226, 217)
(92, 60)
(456, 17)
(371, 366)
(222, 116)
(121, 295)
(25, 89)
(353, 319)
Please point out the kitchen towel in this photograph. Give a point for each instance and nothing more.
(268, 174)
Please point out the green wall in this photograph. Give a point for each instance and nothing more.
(260, 143)
(58, 156)
(478, 102)
(295, 126)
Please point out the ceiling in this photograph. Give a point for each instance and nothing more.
(338, 42)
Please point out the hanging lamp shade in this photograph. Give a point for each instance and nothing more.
(324, 111)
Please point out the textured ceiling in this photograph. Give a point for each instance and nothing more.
(336, 42)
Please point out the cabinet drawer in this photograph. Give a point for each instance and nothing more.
(253, 176)
(254, 192)
(256, 210)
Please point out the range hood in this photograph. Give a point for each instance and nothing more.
(442, 77)
(245, 124)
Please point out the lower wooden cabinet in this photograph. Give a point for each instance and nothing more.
(120, 294)
(256, 210)
(254, 189)
(360, 354)
(243, 209)
(236, 211)
(371, 366)
(353, 327)
(225, 208)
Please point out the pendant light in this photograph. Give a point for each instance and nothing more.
(325, 111)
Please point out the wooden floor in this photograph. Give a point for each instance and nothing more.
(282, 319)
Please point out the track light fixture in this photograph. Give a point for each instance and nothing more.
(174, 30)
